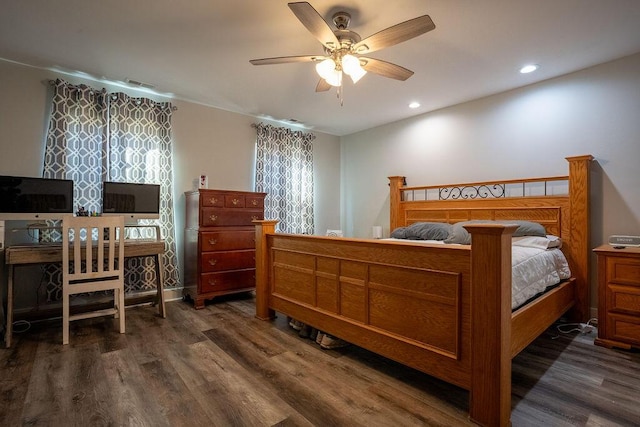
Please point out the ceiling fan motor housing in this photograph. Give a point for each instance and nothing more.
(341, 20)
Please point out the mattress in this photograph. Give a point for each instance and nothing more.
(534, 269)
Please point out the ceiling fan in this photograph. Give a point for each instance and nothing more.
(344, 49)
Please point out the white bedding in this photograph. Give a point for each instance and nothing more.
(534, 270)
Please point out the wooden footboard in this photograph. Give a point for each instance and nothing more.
(409, 302)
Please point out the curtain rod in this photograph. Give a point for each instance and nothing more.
(53, 83)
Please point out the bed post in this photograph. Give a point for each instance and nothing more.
(579, 167)
(490, 391)
(395, 197)
(263, 227)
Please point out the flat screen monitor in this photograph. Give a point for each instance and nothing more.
(134, 201)
(26, 198)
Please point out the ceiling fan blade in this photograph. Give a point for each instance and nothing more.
(287, 59)
(311, 19)
(397, 34)
(385, 69)
(323, 86)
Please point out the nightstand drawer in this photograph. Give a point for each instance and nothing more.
(624, 271)
(624, 328)
(624, 299)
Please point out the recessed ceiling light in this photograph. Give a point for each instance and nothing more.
(528, 68)
(414, 104)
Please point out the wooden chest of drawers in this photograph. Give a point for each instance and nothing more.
(618, 297)
(219, 252)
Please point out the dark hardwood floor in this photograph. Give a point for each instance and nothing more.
(222, 367)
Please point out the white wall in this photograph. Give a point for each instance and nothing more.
(206, 140)
(522, 133)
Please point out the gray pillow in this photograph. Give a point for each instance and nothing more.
(423, 231)
(399, 233)
(429, 230)
(527, 228)
(460, 235)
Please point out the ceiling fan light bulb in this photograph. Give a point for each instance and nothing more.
(326, 69)
(351, 66)
(335, 79)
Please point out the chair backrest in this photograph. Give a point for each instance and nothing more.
(92, 238)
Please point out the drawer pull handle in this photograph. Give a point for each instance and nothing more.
(235, 201)
(212, 282)
(254, 217)
(213, 261)
(213, 217)
(254, 202)
(213, 200)
(213, 241)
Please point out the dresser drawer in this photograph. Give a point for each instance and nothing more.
(227, 240)
(228, 280)
(234, 201)
(254, 202)
(624, 271)
(212, 217)
(212, 200)
(227, 260)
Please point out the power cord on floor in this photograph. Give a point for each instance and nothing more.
(583, 328)
(20, 326)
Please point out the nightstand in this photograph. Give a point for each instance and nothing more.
(618, 297)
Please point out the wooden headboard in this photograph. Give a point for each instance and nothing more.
(560, 203)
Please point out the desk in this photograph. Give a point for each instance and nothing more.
(52, 253)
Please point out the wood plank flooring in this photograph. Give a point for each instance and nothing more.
(222, 367)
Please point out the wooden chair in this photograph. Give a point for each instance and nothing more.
(92, 260)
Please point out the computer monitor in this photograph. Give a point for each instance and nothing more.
(34, 199)
(134, 201)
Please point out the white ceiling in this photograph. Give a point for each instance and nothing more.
(199, 50)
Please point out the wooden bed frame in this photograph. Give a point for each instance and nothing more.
(442, 309)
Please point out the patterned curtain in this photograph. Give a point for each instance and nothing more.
(76, 141)
(284, 170)
(94, 137)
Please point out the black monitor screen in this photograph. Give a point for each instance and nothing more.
(35, 195)
(130, 198)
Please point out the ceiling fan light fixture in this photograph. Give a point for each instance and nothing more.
(335, 79)
(327, 70)
(342, 47)
(351, 66)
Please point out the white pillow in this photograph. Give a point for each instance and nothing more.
(548, 242)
